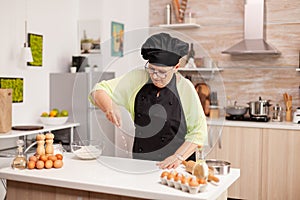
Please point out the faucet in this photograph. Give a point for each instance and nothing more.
(29, 147)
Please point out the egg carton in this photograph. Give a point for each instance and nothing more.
(182, 183)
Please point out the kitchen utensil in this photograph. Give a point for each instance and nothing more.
(288, 99)
(220, 167)
(204, 95)
(236, 109)
(259, 108)
(5, 110)
(296, 118)
(214, 99)
(27, 128)
(277, 113)
(87, 149)
(214, 112)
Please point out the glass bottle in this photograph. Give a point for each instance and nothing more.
(19, 161)
(201, 168)
(190, 58)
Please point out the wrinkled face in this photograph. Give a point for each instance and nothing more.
(160, 76)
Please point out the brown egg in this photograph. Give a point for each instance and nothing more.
(59, 156)
(185, 180)
(58, 163)
(171, 175)
(202, 181)
(178, 177)
(31, 164)
(53, 158)
(164, 174)
(40, 164)
(193, 182)
(48, 164)
(43, 158)
(33, 158)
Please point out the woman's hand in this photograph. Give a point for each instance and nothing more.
(169, 163)
(114, 116)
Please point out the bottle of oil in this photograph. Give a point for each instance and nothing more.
(19, 161)
(201, 168)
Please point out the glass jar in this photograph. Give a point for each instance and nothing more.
(277, 114)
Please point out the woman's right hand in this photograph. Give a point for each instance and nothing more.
(114, 116)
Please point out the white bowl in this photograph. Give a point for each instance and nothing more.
(54, 120)
(87, 149)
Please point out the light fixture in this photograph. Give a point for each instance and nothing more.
(27, 50)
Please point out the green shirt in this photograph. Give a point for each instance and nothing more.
(124, 89)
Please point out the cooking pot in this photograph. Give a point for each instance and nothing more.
(236, 110)
(259, 108)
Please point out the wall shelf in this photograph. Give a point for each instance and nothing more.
(180, 26)
(200, 69)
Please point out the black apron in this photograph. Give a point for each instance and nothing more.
(160, 125)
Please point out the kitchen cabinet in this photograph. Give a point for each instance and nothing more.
(242, 147)
(70, 91)
(281, 164)
(268, 159)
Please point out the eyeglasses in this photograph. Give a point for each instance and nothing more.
(160, 74)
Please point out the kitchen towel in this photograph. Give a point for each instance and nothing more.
(5, 110)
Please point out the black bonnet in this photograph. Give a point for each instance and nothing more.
(163, 50)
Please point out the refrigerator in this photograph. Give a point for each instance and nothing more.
(70, 91)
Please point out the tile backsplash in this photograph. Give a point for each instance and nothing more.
(246, 77)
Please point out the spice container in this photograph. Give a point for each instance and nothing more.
(190, 18)
(168, 14)
(277, 113)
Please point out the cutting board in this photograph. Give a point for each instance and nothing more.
(204, 96)
(27, 128)
(5, 110)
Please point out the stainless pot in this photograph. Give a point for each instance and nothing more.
(220, 167)
(236, 110)
(259, 108)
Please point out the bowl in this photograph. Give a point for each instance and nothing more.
(220, 167)
(54, 120)
(87, 149)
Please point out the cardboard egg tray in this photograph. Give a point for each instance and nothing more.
(185, 187)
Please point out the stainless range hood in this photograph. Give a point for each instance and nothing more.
(254, 32)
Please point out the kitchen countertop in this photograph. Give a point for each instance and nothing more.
(249, 124)
(121, 176)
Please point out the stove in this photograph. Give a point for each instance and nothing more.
(248, 118)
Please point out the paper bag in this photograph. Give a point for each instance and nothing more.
(5, 110)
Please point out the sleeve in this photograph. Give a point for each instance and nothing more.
(123, 88)
(194, 114)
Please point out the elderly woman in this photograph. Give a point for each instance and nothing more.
(169, 120)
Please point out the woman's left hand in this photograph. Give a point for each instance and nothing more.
(169, 163)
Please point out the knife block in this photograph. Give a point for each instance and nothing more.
(5, 110)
